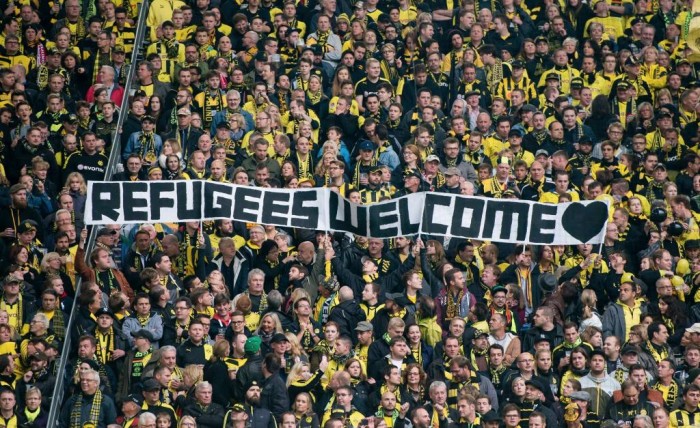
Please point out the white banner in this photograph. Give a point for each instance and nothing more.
(501, 220)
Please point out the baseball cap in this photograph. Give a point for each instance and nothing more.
(366, 145)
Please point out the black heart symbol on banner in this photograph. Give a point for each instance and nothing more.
(584, 222)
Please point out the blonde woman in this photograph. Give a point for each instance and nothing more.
(295, 350)
(187, 421)
(302, 380)
(589, 314)
(269, 325)
(191, 376)
(656, 75)
(77, 189)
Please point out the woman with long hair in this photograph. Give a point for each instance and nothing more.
(342, 74)
(589, 312)
(578, 365)
(77, 189)
(316, 100)
(601, 117)
(288, 170)
(643, 122)
(325, 348)
(155, 108)
(411, 51)
(654, 74)
(593, 336)
(410, 159)
(515, 301)
(358, 380)
(672, 314)
(269, 325)
(173, 168)
(19, 256)
(578, 13)
(303, 411)
(170, 147)
(302, 380)
(544, 369)
(356, 34)
(216, 372)
(52, 265)
(414, 379)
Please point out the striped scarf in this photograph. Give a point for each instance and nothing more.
(94, 418)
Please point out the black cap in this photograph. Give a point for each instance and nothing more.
(70, 118)
(623, 84)
(631, 60)
(26, 226)
(133, 398)
(585, 140)
(223, 125)
(104, 311)
(410, 172)
(106, 232)
(252, 384)
(630, 349)
(536, 382)
(515, 132)
(278, 338)
(692, 244)
(577, 83)
(663, 114)
(148, 118)
(518, 64)
(151, 385)
(144, 334)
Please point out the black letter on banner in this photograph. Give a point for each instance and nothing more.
(539, 223)
(222, 194)
(508, 211)
(157, 203)
(183, 195)
(407, 228)
(131, 203)
(377, 220)
(305, 217)
(472, 228)
(431, 200)
(244, 202)
(271, 208)
(106, 207)
(346, 224)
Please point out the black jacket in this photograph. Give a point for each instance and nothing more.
(210, 417)
(347, 314)
(274, 396)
